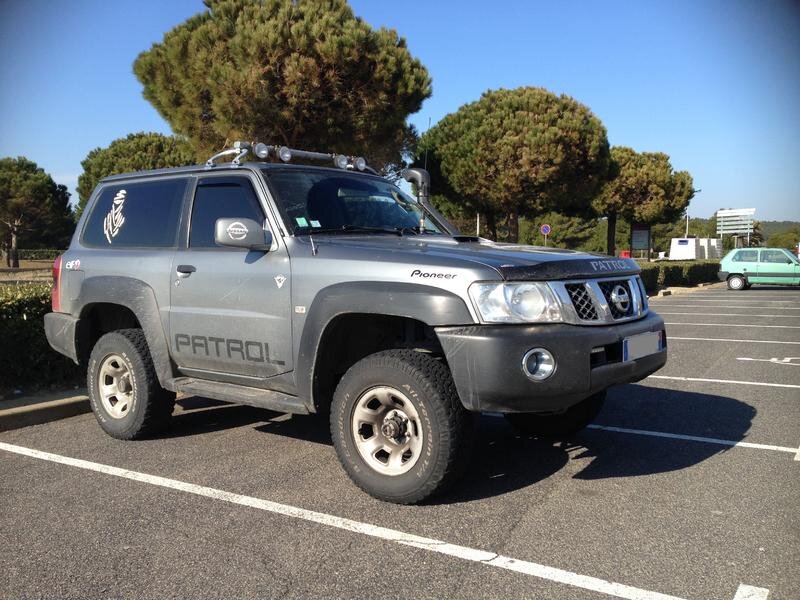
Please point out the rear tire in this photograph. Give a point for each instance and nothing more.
(737, 283)
(398, 426)
(559, 425)
(124, 392)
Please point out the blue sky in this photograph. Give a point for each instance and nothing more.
(715, 84)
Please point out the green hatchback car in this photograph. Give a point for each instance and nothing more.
(745, 266)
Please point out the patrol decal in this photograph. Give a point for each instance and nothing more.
(610, 265)
(237, 231)
(244, 350)
(115, 219)
(279, 280)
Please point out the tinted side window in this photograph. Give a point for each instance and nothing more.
(220, 198)
(746, 256)
(773, 256)
(135, 215)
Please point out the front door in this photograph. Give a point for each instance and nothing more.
(230, 307)
(776, 267)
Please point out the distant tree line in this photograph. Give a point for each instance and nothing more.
(312, 74)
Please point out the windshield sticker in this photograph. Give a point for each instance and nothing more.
(315, 224)
(115, 219)
(301, 221)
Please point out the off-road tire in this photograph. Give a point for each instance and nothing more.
(446, 425)
(559, 425)
(737, 283)
(152, 405)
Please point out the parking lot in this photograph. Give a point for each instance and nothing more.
(686, 486)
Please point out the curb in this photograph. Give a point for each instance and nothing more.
(35, 412)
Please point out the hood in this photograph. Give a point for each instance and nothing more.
(512, 261)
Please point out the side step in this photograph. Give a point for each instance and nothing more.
(241, 394)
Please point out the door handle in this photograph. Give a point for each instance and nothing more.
(185, 270)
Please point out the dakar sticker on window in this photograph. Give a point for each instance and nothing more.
(115, 219)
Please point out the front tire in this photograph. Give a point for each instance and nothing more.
(398, 426)
(558, 425)
(737, 282)
(124, 392)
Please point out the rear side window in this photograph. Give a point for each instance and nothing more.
(773, 256)
(220, 198)
(136, 215)
(746, 256)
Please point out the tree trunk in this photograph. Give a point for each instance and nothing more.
(491, 226)
(512, 227)
(611, 236)
(13, 254)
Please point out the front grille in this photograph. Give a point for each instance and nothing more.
(582, 301)
(620, 308)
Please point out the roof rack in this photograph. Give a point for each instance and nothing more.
(263, 151)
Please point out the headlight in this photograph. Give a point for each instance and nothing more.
(515, 303)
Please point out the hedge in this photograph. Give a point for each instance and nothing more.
(677, 273)
(26, 360)
(39, 254)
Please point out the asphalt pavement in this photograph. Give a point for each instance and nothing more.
(685, 486)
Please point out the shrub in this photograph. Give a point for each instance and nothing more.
(27, 360)
(39, 254)
(677, 273)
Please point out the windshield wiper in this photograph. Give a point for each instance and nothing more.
(355, 229)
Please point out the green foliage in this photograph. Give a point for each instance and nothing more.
(305, 73)
(136, 152)
(567, 232)
(786, 239)
(677, 273)
(27, 359)
(34, 210)
(518, 152)
(642, 188)
(39, 253)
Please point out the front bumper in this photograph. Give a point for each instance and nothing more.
(486, 363)
(723, 275)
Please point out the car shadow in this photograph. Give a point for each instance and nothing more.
(504, 460)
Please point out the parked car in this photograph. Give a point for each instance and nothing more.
(309, 289)
(743, 267)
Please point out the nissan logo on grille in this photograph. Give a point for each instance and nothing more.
(621, 298)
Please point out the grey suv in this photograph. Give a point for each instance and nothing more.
(310, 289)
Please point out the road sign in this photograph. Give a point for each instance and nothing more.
(545, 229)
(735, 221)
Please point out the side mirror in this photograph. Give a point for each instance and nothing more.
(242, 233)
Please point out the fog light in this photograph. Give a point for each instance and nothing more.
(285, 154)
(538, 364)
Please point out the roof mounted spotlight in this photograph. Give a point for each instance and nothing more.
(360, 163)
(261, 150)
(285, 154)
(340, 161)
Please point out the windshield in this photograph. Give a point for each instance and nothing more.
(321, 201)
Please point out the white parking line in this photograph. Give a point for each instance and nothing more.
(392, 535)
(751, 302)
(661, 312)
(695, 438)
(748, 592)
(660, 306)
(734, 381)
(699, 339)
(736, 325)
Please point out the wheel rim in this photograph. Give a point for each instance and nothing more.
(736, 282)
(115, 386)
(387, 431)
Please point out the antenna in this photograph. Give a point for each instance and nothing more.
(425, 164)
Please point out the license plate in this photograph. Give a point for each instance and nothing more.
(641, 345)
